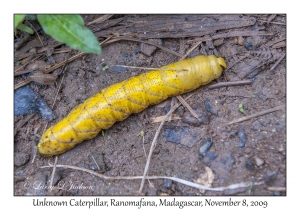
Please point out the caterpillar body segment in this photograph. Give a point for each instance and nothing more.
(118, 101)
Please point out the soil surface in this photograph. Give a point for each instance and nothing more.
(253, 150)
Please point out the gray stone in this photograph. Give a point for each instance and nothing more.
(21, 159)
(258, 161)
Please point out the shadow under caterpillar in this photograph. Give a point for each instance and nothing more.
(118, 101)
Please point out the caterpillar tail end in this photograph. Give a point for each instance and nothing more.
(50, 147)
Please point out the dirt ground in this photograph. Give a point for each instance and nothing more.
(253, 150)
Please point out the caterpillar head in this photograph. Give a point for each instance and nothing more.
(221, 62)
(217, 65)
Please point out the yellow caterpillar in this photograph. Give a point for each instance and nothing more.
(117, 102)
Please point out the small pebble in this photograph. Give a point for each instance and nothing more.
(242, 137)
(168, 183)
(252, 43)
(204, 147)
(149, 49)
(119, 69)
(188, 118)
(258, 161)
(180, 111)
(248, 44)
(250, 165)
(180, 135)
(210, 108)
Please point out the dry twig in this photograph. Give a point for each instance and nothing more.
(152, 147)
(190, 50)
(184, 103)
(182, 181)
(36, 33)
(277, 62)
(276, 188)
(277, 23)
(255, 115)
(46, 71)
(271, 18)
(226, 84)
(53, 171)
(232, 34)
(99, 20)
(161, 118)
(95, 162)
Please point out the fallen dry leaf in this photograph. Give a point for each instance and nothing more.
(38, 65)
(46, 79)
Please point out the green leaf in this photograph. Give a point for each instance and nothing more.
(25, 28)
(18, 19)
(70, 29)
(240, 106)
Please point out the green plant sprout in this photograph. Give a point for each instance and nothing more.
(241, 108)
(105, 68)
(142, 133)
(68, 29)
